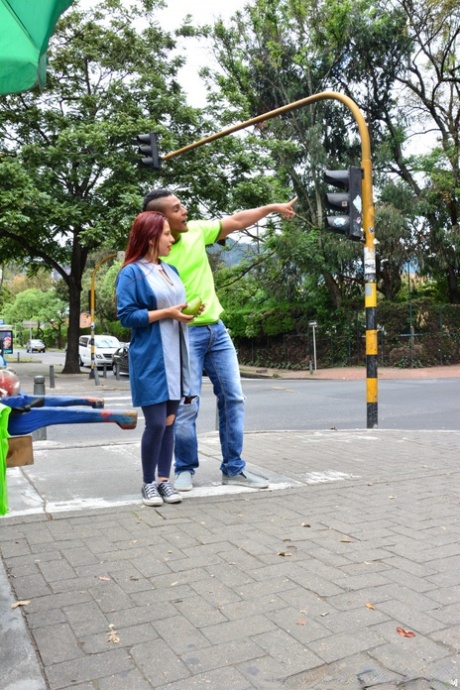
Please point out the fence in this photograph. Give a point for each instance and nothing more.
(431, 338)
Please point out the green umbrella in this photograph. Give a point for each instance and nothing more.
(4, 413)
(25, 29)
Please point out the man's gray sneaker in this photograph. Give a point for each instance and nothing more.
(245, 478)
(183, 481)
(150, 495)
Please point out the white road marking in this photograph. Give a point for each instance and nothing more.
(328, 476)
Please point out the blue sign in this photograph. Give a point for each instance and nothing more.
(6, 342)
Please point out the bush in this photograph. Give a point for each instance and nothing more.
(341, 340)
(407, 356)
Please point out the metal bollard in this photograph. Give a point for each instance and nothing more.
(117, 371)
(39, 385)
(104, 371)
(52, 382)
(39, 389)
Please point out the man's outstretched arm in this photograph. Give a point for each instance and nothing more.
(244, 219)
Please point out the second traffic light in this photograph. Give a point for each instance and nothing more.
(149, 150)
(347, 204)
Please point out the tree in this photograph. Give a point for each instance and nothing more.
(280, 51)
(45, 308)
(420, 123)
(399, 63)
(17, 279)
(69, 182)
(397, 214)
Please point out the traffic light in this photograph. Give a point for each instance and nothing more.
(149, 150)
(347, 204)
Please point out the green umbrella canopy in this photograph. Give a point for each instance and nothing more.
(25, 29)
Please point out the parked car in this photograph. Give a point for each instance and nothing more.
(120, 358)
(104, 347)
(35, 345)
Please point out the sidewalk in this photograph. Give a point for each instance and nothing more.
(348, 577)
(353, 373)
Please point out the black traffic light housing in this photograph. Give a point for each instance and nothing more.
(347, 204)
(149, 150)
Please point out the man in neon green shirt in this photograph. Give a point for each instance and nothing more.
(211, 348)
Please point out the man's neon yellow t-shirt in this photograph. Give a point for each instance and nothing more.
(189, 256)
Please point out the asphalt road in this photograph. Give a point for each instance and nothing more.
(297, 404)
(432, 404)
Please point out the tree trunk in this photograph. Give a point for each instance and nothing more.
(73, 282)
(72, 365)
(452, 285)
(334, 290)
(391, 280)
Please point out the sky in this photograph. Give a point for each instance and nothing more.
(202, 14)
(198, 52)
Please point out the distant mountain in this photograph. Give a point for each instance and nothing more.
(235, 251)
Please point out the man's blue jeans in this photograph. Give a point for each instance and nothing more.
(212, 351)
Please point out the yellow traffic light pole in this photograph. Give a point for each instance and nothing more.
(370, 301)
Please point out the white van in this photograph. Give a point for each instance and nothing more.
(104, 347)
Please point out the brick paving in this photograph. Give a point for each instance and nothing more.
(348, 579)
(299, 588)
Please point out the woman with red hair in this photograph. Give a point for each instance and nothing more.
(150, 299)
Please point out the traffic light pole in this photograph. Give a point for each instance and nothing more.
(370, 295)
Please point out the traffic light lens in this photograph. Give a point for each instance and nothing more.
(348, 204)
(151, 157)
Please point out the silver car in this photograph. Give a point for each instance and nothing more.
(35, 345)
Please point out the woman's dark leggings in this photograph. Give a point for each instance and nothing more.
(157, 440)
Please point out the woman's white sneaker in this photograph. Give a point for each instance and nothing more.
(150, 495)
(168, 493)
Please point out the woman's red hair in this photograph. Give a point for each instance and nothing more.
(147, 226)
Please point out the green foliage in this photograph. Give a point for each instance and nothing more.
(46, 309)
(115, 328)
(6, 297)
(278, 51)
(69, 178)
(28, 305)
(70, 184)
(340, 340)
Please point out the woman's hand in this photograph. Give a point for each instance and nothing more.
(185, 318)
(173, 313)
(177, 313)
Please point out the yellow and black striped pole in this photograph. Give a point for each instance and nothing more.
(370, 302)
